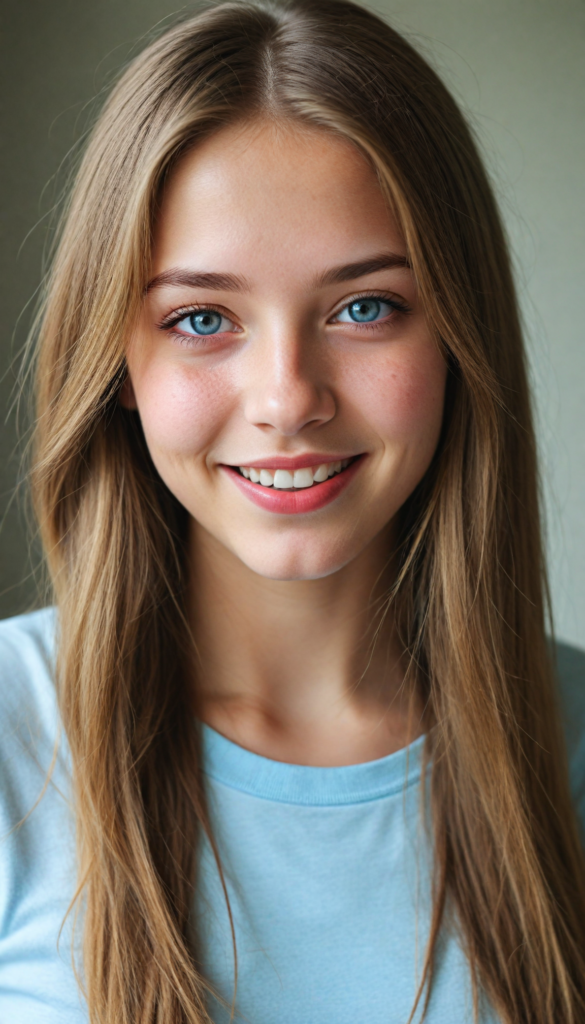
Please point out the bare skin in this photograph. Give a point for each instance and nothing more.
(283, 603)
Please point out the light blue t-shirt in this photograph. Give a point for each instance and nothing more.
(327, 869)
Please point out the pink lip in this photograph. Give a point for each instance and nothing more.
(292, 502)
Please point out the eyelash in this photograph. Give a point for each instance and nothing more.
(169, 322)
(397, 305)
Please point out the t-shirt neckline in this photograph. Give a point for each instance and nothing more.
(234, 766)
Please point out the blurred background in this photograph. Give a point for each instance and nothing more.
(518, 69)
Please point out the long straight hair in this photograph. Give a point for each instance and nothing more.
(469, 595)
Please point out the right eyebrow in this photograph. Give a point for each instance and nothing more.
(179, 277)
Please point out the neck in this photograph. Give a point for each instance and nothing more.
(292, 669)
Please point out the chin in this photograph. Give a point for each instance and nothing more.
(295, 562)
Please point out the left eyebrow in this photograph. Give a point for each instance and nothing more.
(351, 271)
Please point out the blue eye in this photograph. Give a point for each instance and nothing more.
(204, 322)
(364, 311)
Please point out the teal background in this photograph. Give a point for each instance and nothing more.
(518, 68)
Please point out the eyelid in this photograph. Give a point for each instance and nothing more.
(170, 320)
(175, 316)
(399, 305)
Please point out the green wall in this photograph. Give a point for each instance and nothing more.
(518, 66)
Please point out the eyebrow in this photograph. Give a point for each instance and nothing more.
(198, 279)
(351, 271)
(179, 277)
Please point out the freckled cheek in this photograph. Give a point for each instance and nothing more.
(403, 399)
(183, 412)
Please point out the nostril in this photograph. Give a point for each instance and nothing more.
(290, 408)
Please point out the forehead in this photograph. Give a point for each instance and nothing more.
(275, 197)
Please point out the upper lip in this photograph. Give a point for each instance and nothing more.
(292, 462)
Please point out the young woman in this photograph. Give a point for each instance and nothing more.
(308, 759)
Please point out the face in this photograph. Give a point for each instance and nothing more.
(289, 388)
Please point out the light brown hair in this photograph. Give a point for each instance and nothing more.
(469, 598)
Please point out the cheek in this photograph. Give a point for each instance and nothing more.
(181, 410)
(402, 397)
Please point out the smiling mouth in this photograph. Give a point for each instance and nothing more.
(297, 479)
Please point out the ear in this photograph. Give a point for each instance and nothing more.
(127, 398)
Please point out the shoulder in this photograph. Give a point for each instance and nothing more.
(37, 829)
(31, 744)
(29, 634)
(27, 648)
(570, 667)
(29, 717)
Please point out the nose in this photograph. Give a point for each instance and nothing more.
(288, 389)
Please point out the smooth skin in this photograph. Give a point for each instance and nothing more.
(283, 606)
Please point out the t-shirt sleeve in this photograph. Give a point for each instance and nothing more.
(37, 834)
(28, 724)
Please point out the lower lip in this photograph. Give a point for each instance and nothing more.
(287, 503)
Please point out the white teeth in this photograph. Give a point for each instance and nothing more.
(321, 474)
(283, 480)
(303, 477)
